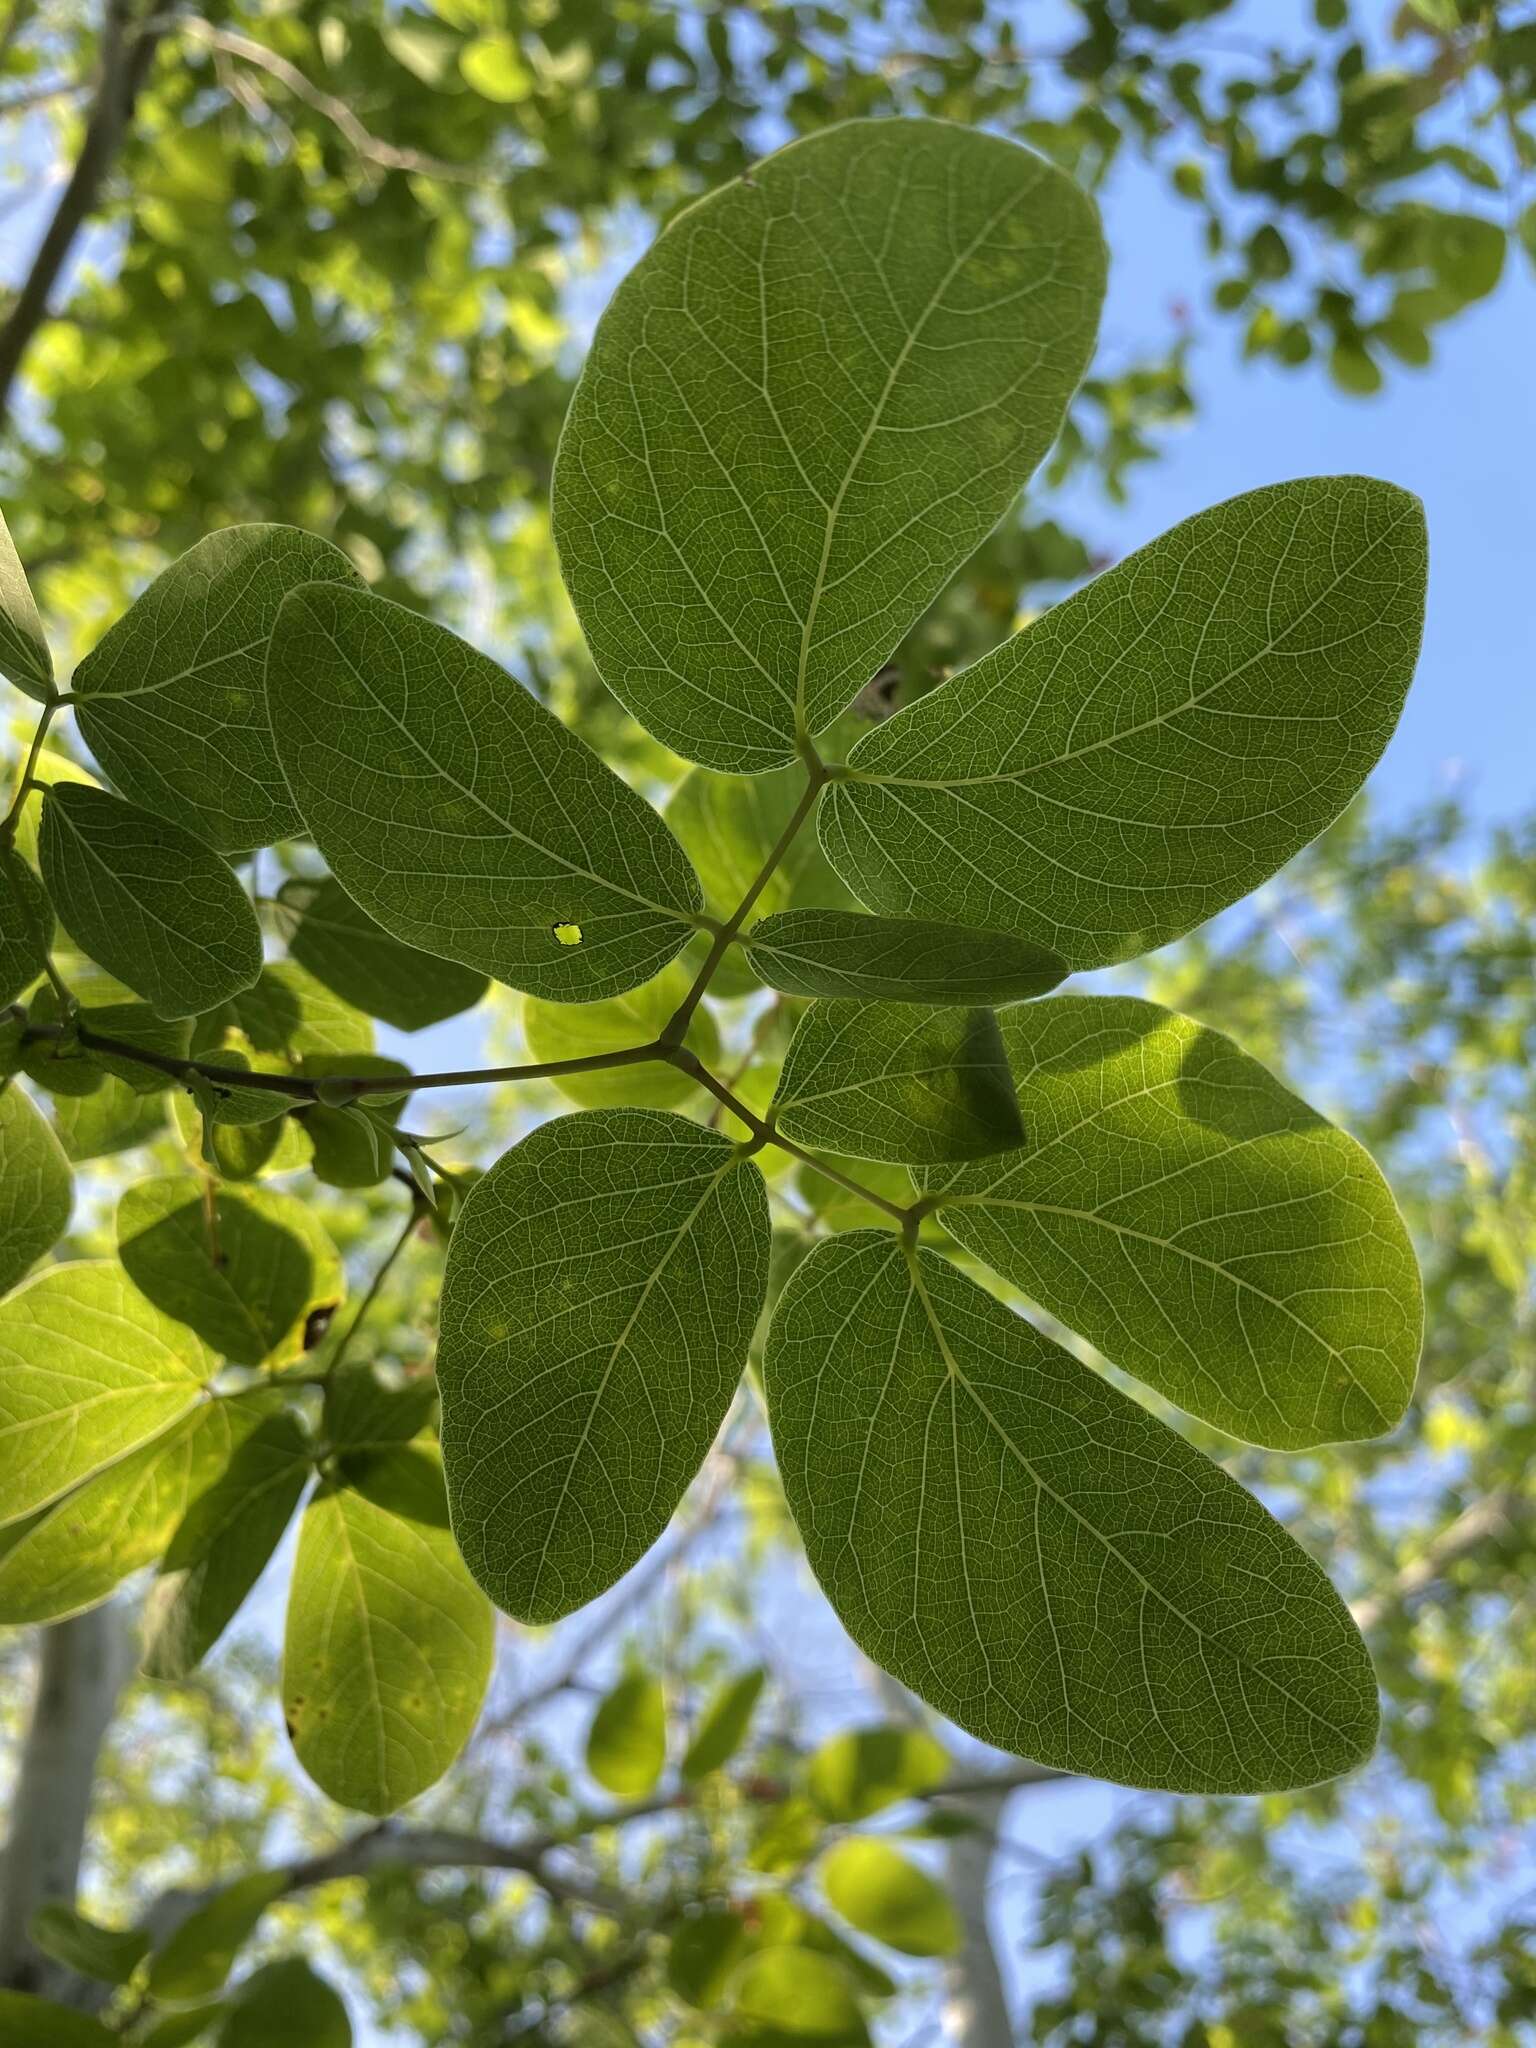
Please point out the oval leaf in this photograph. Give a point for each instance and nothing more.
(460, 813)
(891, 1081)
(26, 926)
(172, 699)
(885, 1894)
(627, 1742)
(356, 958)
(24, 655)
(285, 2001)
(1198, 1223)
(88, 1372)
(795, 1998)
(1038, 1557)
(805, 407)
(557, 1031)
(723, 1726)
(602, 1284)
(863, 1770)
(1152, 749)
(39, 2023)
(897, 959)
(156, 907)
(37, 1191)
(388, 1646)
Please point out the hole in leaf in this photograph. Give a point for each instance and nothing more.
(567, 934)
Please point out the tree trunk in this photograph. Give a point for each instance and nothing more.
(82, 1665)
(975, 2003)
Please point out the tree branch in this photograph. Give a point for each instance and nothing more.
(1504, 1508)
(126, 55)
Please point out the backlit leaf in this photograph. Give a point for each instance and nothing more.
(461, 814)
(627, 1742)
(110, 1119)
(1198, 1223)
(285, 2001)
(805, 407)
(342, 946)
(561, 1031)
(601, 1288)
(388, 1647)
(172, 699)
(1038, 1557)
(863, 1770)
(195, 1958)
(723, 1725)
(89, 1370)
(109, 1954)
(64, 1067)
(288, 1011)
(795, 1998)
(895, 1082)
(886, 1895)
(1152, 749)
(155, 906)
(36, 1189)
(897, 959)
(24, 655)
(26, 925)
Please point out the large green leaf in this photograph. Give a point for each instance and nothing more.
(627, 1742)
(26, 925)
(602, 1284)
(24, 655)
(1159, 744)
(803, 410)
(342, 946)
(285, 2001)
(1036, 1555)
(222, 1544)
(36, 1188)
(388, 1647)
(898, 959)
(460, 813)
(892, 1081)
(1198, 1223)
(246, 1279)
(172, 700)
(70, 1555)
(557, 1031)
(885, 1894)
(89, 1370)
(155, 906)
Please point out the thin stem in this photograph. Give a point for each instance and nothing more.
(24, 786)
(375, 1287)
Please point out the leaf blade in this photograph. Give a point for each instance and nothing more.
(37, 1190)
(817, 952)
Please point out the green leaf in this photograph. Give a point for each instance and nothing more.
(894, 1082)
(703, 1956)
(1198, 1223)
(289, 1012)
(222, 1545)
(863, 1770)
(71, 1555)
(285, 2001)
(1153, 748)
(178, 2029)
(388, 1647)
(111, 1119)
(64, 1067)
(806, 406)
(884, 1894)
(172, 700)
(357, 959)
(559, 1031)
(39, 2023)
(36, 1188)
(26, 926)
(24, 655)
(602, 1284)
(195, 1958)
(460, 813)
(155, 906)
(247, 1280)
(109, 1954)
(88, 1372)
(363, 1412)
(795, 1998)
(627, 1742)
(897, 959)
(723, 1726)
(1038, 1557)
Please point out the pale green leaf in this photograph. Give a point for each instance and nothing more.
(193, 1961)
(863, 1770)
(627, 1742)
(89, 1370)
(285, 2002)
(38, 2023)
(723, 1725)
(172, 699)
(36, 1189)
(1198, 1223)
(565, 1031)
(24, 655)
(795, 1998)
(246, 1278)
(52, 767)
(357, 959)
(601, 1289)
(898, 959)
(288, 1011)
(1037, 1556)
(70, 1555)
(895, 1082)
(64, 1067)
(805, 407)
(388, 1647)
(460, 813)
(111, 1119)
(886, 1895)
(157, 908)
(1152, 749)
(109, 1954)
(221, 1546)
(26, 926)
